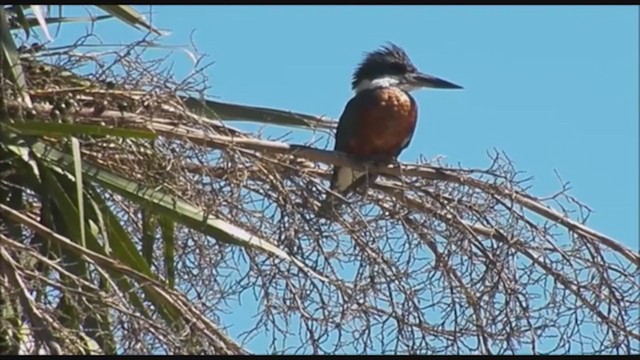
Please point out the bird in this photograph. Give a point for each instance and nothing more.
(378, 122)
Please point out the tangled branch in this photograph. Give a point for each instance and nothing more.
(431, 259)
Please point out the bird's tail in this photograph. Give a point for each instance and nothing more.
(332, 201)
(328, 205)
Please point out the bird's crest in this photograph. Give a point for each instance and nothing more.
(388, 60)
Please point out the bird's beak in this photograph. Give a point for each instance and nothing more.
(429, 81)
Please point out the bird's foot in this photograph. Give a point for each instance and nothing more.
(394, 161)
(378, 161)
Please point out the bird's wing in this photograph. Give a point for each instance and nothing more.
(344, 178)
(347, 124)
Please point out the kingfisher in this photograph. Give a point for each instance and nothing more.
(378, 122)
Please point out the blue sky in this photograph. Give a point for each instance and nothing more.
(556, 88)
